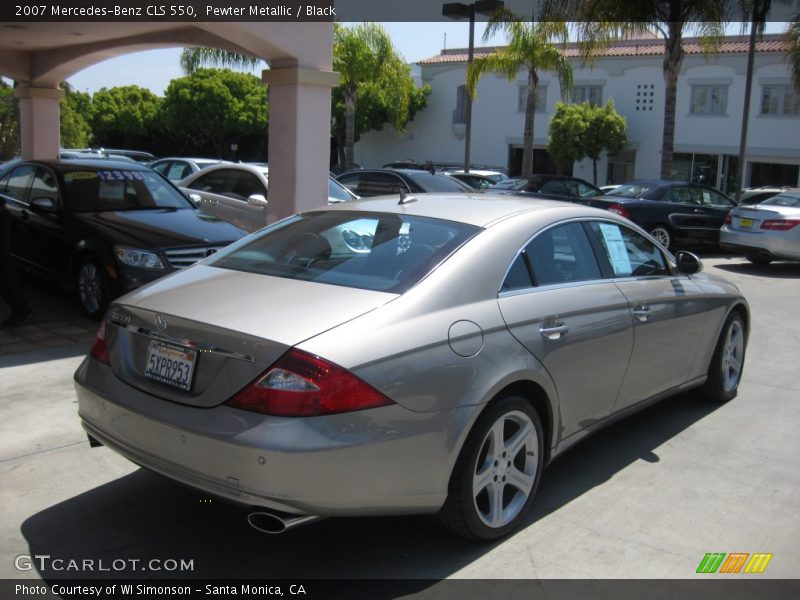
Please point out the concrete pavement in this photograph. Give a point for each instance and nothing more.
(645, 498)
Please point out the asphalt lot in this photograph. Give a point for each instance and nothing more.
(645, 498)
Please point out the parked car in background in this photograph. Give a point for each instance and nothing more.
(238, 192)
(553, 187)
(756, 195)
(765, 232)
(176, 169)
(473, 341)
(478, 182)
(234, 192)
(607, 189)
(378, 182)
(105, 227)
(673, 212)
(493, 176)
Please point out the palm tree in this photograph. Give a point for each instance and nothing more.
(792, 37)
(195, 58)
(531, 46)
(602, 22)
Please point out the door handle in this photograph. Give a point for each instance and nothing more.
(641, 313)
(554, 333)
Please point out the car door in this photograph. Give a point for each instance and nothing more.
(667, 309)
(52, 239)
(714, 207)
(685, 214)
(557, 303)
(15, 186)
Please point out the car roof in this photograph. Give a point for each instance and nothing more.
(89, 163)
(660, 182)
(475, 209)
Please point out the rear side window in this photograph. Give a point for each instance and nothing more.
(371, 251)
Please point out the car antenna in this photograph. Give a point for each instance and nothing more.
(406, 199)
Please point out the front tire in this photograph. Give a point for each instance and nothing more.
(725, 372)
(758, 260)
(497, 473)
(93, 287)
(662, 234)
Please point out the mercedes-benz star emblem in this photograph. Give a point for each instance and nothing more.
(161, 322)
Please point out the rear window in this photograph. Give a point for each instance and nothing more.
(88, 190)
(783, 200)
(510, 184)
(431, 182)
(372, 251)
(630, 190)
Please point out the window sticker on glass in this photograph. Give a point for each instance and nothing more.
(120, 175)
(617, 252)
(79, 175)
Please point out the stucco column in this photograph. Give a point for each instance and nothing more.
(299, 138)
(39, 121)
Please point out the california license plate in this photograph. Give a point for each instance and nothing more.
(171, 364)
(746, 223)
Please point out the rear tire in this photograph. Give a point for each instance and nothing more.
(758, 260)
(497, 473)
(93, 287)
(662, 234)
(725, 372)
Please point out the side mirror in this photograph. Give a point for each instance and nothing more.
(688, 263)
(47, 206)
(196, 198)
(257, 200)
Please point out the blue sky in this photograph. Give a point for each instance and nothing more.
(155, 68)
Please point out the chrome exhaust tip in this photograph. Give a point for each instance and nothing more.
(273, 524)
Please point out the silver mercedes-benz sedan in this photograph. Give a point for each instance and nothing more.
(425, 354)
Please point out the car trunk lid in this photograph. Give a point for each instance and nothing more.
(203, 334)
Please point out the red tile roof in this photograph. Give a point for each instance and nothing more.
(655, 47)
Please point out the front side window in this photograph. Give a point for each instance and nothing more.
(17, 183)
(711, 198)
(213, 182)
(44, 185)
(242, 185)
(373, 251)
(709, 100)
(629, 253)
(779, 100)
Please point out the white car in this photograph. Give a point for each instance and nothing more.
(765, 232)
(175, 169)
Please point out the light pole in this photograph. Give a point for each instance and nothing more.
(457, 11)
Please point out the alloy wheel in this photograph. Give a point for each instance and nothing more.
(90, 287)
(733, 356)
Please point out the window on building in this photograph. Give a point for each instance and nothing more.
(462, 100)
(709, 100)
(541, 98)
(588, 93)
(621, 167)
(779, 100)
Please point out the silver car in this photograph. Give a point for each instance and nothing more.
(431, 363)
(765, 232)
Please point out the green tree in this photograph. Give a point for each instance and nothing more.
(792, 37)
(376, 85)
(214, 106)
(124, 116)
(9, 122)
(75, 110)
(565, 142)
(532, 47)
(579, 131)
(602, 22)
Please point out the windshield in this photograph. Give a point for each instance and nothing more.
(783, 200)
(373, 251)
(431, 182)
(510, 184)
(88, 190)
(630, 190)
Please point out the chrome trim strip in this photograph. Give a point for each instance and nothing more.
(182, 341)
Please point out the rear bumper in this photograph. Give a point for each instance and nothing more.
(387, 460)
(757, 244)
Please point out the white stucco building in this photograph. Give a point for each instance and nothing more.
(708, 117)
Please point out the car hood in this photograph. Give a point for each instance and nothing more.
(160, 227)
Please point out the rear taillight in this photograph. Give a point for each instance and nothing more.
(780, 224)
(99, 349)
(620, 210)
(300, 384)
(728, 219)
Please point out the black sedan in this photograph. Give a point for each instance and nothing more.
(379, 182)
(673, 212)
(104, 227)
(551, 187)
